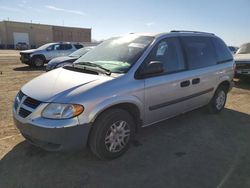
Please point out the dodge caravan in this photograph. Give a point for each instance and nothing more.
(122, 85)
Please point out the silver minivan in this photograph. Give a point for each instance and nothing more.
(125, 83)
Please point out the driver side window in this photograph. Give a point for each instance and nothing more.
(168, 52)
(50, 48)
(57, 47)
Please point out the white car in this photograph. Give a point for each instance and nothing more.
(242, 60)
(38, 57)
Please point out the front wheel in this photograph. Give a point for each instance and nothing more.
(38, 62)
(218, 101)
(111, 134)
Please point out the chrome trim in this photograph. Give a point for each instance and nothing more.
(20, 104)
(28, 108)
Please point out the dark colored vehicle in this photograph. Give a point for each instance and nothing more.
(67, 60)
(22, 46)
(242, 60)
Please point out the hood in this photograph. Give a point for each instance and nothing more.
(57, 60)
(28, 51)
(242, 57)
(61, 84)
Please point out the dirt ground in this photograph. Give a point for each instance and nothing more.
(192, 150)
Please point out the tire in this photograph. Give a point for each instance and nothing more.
(218, 101)
(105, 138)
(38, 61)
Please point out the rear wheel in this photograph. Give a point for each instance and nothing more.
(112, 133)
(38, 61)
(218, 101)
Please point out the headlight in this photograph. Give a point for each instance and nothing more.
(62, 111)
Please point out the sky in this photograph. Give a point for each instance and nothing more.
(228, 19)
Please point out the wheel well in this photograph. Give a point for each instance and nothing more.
(225, 84)
(132, 109)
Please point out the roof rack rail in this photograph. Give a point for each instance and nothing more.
(185, 31)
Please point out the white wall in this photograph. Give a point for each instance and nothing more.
(20, 37)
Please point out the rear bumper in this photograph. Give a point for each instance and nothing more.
(55, 139)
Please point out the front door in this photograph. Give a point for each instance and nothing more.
(164, 93)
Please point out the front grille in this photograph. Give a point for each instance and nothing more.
(24, 113)
(241, 65)
(25, 55)
(20, 94)
(25, 105)
(32, 103)
(18, 99)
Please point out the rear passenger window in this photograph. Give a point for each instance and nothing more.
(78, 46)
(222, 52)
(67, 46)
(199, 52)
(168, 51)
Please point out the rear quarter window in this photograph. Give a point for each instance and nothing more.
(222, 51)
(199, 52)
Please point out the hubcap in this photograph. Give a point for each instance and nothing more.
(117, 136)
(220, 100)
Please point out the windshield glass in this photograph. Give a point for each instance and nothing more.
(244, 49)
(118, 54)
(43, 47)
(80, 52)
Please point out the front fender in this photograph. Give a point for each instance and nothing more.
(116, 100)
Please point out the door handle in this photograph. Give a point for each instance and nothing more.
(196, 81)
(185, 83)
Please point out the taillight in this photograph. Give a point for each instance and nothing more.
(234, 67)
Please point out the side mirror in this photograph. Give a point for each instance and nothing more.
(153, 68)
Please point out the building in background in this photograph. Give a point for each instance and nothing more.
(36, 35)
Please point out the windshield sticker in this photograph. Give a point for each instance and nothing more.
(137, 45)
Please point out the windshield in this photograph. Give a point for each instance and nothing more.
(118, 54)
(43, 47)
(80, 52)
(244, 49)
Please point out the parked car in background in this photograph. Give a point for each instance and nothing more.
(233, 49)
(38, 57)
(22, 46)
(67, 60)
(242, 60)
(124, 84)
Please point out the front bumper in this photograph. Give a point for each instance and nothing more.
(25, 60)
(55, 139)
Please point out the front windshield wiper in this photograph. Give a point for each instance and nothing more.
(107, 71)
